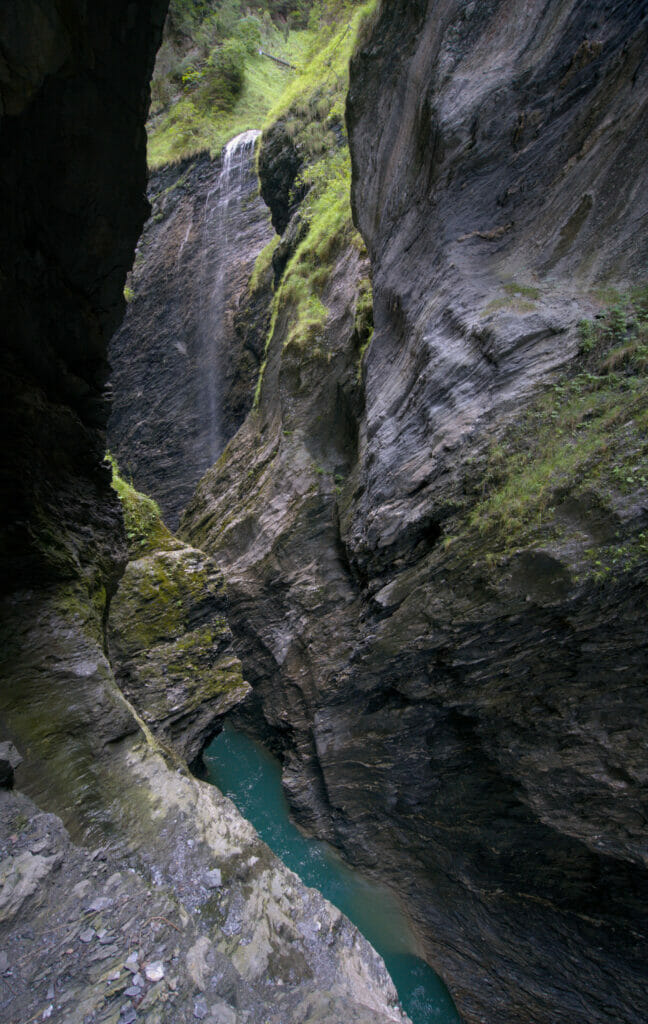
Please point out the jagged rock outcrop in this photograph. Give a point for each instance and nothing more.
(453, 671)
(159, 902)
(183, 368)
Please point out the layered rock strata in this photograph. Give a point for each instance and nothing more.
(458, 697)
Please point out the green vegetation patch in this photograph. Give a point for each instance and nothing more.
(318, 90)
(520, 298)
(262, 264)
(145, 531)
(588, 432)
(312, 111)
(215, 75)
(364, 326)
(211, 82)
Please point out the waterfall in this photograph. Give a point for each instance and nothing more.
(183, 373)
(223, 227)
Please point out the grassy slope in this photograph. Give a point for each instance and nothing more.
(186, 129)
(311, 107)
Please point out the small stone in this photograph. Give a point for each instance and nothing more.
(87, 935)
(154, 971)
(50, 993)
(4, 962)
(9, 759)
(106, 938)
(82, 889)
(101, 903)
(213, 879)
(133, 992)
(47, 1012)
(200, 1008)
(128, 1015)
(138, 980)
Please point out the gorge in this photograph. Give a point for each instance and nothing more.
(403, 442)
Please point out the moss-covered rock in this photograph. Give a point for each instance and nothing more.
(171, 647)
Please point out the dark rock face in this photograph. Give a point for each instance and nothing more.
(9, 760)
(279, 167)
(183, 369)
(473, 730)
(483, 149)
(72, 208)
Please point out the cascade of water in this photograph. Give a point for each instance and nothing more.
(222, 206)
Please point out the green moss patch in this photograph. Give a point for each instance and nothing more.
(587, 433)
(145, 531)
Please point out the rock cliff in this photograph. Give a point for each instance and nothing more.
(436, 551)
(434, 538)
(129, 891)
(183, 371)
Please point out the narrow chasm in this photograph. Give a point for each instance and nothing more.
(325, 525)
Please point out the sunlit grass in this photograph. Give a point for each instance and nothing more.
(186, 128)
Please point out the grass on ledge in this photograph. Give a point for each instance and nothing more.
(588, 431)
(145, 530)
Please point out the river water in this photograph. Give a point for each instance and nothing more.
(251, 778)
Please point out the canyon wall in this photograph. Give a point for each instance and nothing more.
(130, 891)
(183, 372)
(433, 537)
(436, 550)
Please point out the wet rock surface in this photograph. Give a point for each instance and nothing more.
(183, 367)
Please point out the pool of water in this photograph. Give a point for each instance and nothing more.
(251, 778)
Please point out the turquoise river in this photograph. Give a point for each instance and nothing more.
(251, 778)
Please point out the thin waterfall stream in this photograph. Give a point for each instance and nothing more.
(222, 210)
(251, 777)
